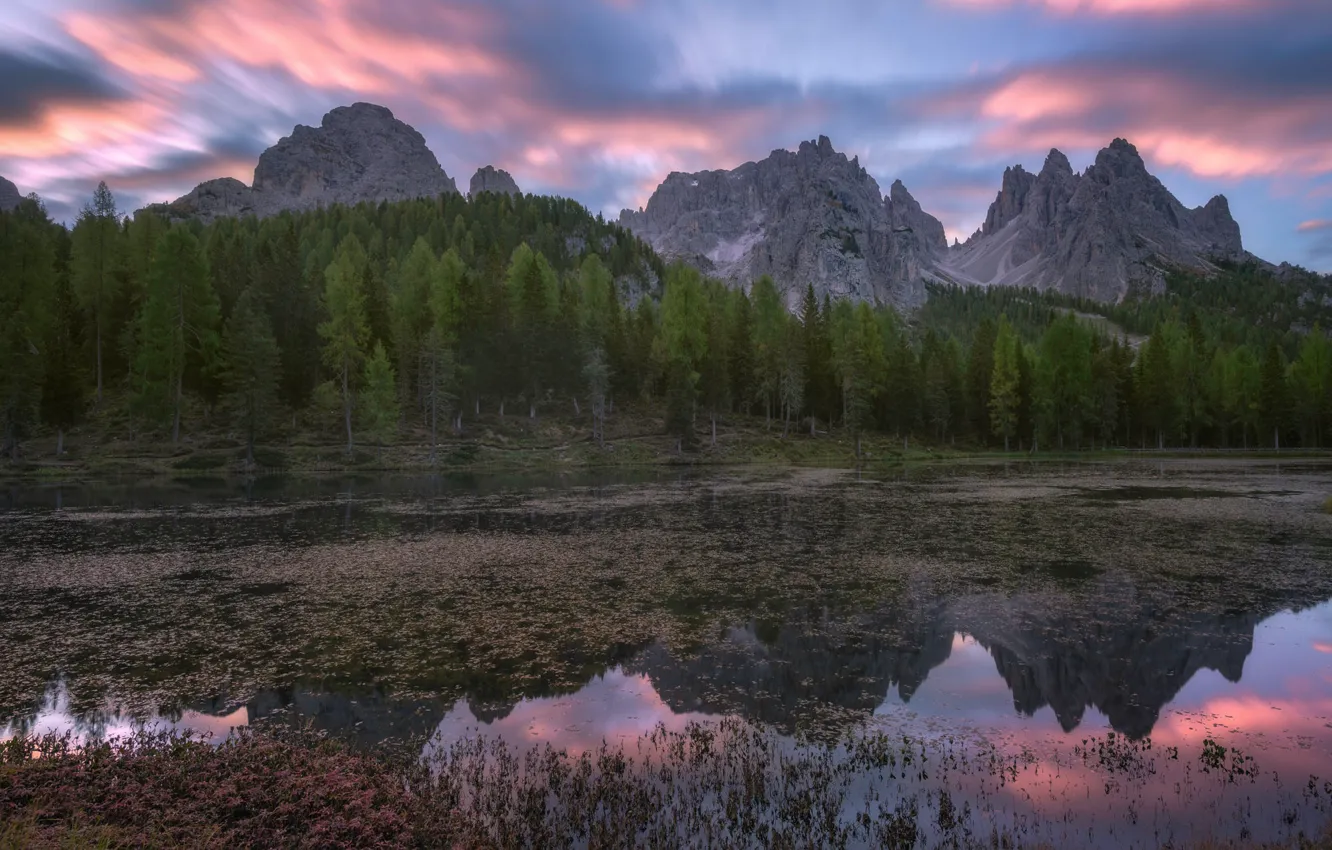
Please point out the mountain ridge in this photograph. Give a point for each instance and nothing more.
(811, 216)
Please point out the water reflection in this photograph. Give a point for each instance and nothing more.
(1031, 608)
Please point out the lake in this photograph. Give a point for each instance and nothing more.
(1101, 654)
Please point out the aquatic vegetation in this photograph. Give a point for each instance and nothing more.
(729, 784)
(799, 601)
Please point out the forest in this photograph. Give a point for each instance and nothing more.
(382, 324)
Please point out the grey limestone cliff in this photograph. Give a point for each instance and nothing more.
(358, 153)
(806, 217)
(491, 179)
(1111, 230)
(9, 195)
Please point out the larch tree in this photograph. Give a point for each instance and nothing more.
(345, 331)
(683, 346)
(378, 400)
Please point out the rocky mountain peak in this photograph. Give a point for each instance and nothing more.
(491, 179)
(9, 195)
(1099, 235)
(1120, 161)
(1011, 200)
(357, 153)
(808, 217)
(1057, 164)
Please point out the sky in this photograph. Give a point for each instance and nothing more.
(599, 100)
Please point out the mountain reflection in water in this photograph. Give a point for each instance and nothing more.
(1029, 608)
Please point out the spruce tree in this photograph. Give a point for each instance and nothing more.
(27, 283)
(64, 394)
(253, 368)
(1004, 384)
(94, 260)
(178, 327)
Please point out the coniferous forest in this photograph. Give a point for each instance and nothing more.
(402, 323)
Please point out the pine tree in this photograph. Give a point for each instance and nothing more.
(64, 397)
(817, 349)
(741, 352)
(1273, 397)
(441, 364)
(1004, 384)
(980, 371)
(863, 368)
(27, 283)
(1312, 385)
(409, 307)
(253, 368)
(345, 332)
(178, 326)
(769, 336)
(94, 260)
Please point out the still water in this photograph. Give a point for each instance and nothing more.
(1104, 628)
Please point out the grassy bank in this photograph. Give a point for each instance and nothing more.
(635, 437)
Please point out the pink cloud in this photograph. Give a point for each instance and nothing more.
(1173, 120)
(445, 69)
(1122, 7)
(1310, 227)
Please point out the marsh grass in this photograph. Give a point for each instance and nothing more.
(727, 784)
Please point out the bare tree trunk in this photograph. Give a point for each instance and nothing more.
(434, 406)
(501, 407)
(99, 359)
(813, 425)
(714, 429)
(346, 404)
(577, 410)
(180, 391)
(60, 441)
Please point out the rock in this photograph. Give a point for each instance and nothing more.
(219, 198)
(808, 217)
(491, 179)
(1112, 230)
(9, 195)
(358, 153)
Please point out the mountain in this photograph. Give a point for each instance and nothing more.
(9, 195)
(490, 179)
(358, 153)
(811, 216)
(1111, 230)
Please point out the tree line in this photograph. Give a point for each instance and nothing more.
(405, 321)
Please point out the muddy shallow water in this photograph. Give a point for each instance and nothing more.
(1102, 628)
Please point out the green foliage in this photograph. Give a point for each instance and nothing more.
(1005, 384)
(379, 398)
(27, 287)
(253, 368)
(177, 328)
(683, 345)
(473, 303)
(346, 330)
(95, 256)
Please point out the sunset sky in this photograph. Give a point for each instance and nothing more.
(600, 99)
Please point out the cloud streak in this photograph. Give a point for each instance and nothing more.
(600, 100)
